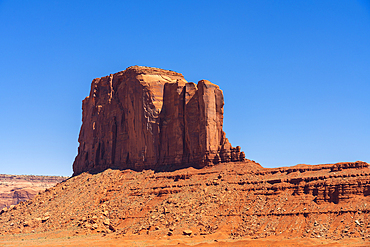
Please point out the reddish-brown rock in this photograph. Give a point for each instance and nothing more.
(229, 200)
(149, 118)
(18, 188)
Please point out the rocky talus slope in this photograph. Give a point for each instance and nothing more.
(17, 188)
(150, 118)
(240, 199)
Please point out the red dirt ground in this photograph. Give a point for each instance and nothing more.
(232, 204)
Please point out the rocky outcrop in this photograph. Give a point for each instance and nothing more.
(149, 118)
(235, 199)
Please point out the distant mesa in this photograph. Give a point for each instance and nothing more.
(18, 188)
(150, 118)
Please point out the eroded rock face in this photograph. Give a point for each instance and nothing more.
(149, 118)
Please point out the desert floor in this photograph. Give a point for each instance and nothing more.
(60, 238)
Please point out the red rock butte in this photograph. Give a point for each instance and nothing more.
(150, 118)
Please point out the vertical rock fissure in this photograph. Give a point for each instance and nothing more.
(114, 141)
(97, 155)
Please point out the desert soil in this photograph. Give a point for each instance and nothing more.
(61, 238)
(230, 204)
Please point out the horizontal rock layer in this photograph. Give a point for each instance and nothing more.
(237, 200)
(18, 188)
(149, 118)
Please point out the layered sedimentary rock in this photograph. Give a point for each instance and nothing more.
(18, 188)
(149, 118)
(235, 199)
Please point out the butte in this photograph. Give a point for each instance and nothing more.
(150, 118)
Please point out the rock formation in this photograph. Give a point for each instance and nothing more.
(18, 188)
(149, 118)
(234, 200)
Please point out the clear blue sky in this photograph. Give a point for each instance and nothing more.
(295, 74)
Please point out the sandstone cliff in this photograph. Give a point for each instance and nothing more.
(149, 118)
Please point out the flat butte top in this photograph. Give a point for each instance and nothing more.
(152, 78)
(153, 71)
(170, 75)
